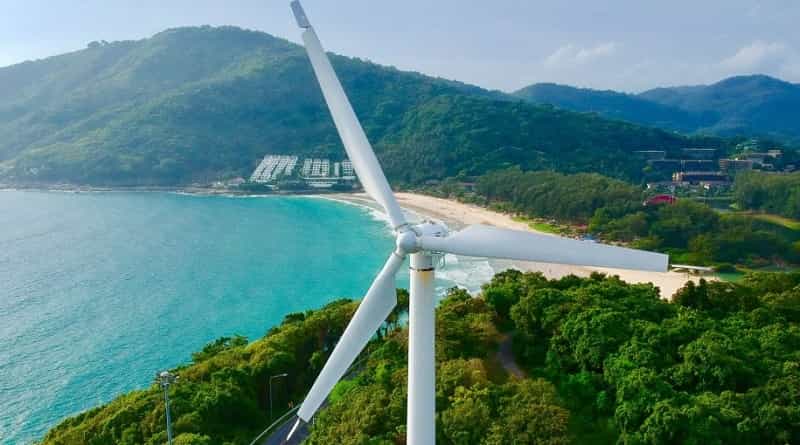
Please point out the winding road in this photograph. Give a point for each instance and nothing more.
(278, 437)
(505, 356)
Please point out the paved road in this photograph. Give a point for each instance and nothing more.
(505, 356)
(278, 437)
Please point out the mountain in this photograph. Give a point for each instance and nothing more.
(754, 105)
(743, 105)
(611, 104)
(196, 104)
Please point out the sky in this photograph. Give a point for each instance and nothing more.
(625, 45)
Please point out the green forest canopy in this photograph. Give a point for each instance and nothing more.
(773, 193)
(608, 362)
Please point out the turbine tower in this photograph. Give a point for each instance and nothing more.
(420, 242)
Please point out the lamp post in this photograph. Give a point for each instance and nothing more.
(166, 378)
(270, 391)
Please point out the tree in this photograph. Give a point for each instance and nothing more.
(219, 345)
(621, 365)
(192, 439)
(530, 415)
(469, 416)
(779, 194)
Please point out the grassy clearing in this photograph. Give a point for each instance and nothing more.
(546, 227)
(789, 223)
(741, 271)
(778, 220)
(543, 226)
(782, 221)
(730, 277)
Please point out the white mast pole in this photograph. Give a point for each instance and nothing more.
(421, 427)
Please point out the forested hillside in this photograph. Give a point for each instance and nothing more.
(197, 104)
(607, 362)
(738, 106)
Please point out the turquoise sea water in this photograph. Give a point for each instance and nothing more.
(98, 291)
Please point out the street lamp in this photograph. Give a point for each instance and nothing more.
(166, 378)
(270, 391)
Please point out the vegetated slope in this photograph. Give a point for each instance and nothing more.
(196, 104)
(608, 362)
(754, 105)
(223, 394)
(450, 134)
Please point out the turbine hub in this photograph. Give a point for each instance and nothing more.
(407, 241)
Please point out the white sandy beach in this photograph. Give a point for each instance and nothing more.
(456, 215)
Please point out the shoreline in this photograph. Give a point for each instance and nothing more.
(457, 215)
(454, 214)
(190, 190)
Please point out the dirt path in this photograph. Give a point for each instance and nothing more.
(505, 355)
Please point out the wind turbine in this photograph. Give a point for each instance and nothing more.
(420, 242)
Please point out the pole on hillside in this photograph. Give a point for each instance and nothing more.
(270, 392)
(165, 379)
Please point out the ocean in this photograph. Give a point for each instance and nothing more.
(100, 290)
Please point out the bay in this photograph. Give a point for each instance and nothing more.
(100, 290)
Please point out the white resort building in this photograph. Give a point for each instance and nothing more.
(315, 172)
(273, 167)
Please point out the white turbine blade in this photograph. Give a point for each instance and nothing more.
(353, 138)
(493, 242)
(381, 298)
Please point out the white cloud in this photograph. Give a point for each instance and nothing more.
(772, 58)
(569, 56)
(758, 56)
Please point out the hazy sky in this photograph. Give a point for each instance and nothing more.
(628, 45)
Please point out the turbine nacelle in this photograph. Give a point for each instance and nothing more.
(409, 236)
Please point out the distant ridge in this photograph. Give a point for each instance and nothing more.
(753, 105)
(611, 104)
